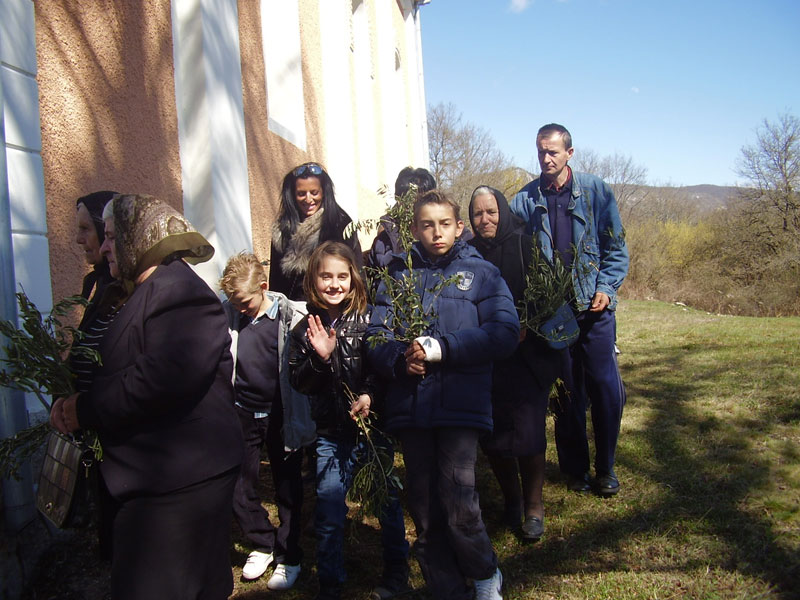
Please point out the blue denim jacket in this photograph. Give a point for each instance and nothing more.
(601, 255)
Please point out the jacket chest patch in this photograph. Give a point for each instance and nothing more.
(465, 279)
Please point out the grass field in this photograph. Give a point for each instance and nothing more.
(709, 461)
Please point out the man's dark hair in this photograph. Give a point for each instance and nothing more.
(548, 130)
(419, 177)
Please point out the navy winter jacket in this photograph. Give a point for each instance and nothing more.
(475, 323)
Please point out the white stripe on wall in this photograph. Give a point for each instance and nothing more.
(338, 137)
(283, 70)
(211, 130)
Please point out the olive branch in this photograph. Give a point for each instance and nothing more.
(34, 362)
(376, 478)
(408, 314)
(548, 286)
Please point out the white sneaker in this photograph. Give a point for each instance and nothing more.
(489, 589)
(256, 565)
(283, 577)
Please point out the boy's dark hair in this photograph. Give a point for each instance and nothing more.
(545, 131)
(420, 177)
(243, 273)
(436, 197)
(356, 299)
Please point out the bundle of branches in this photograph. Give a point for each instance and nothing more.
(409, 316)
(34, 362)
(548, 287)
(376, 478)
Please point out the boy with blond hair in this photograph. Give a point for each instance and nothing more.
(271, 414)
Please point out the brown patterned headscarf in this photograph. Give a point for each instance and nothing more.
(148, 230)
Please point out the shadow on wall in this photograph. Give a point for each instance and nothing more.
(108, 114)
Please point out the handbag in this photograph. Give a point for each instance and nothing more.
(63, 494)
(561, 330)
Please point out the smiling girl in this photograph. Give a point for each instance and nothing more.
(327, 362)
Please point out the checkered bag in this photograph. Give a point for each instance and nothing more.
(63, 483)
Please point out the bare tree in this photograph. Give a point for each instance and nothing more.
(464, 156)
(627, 178)
(772, 166)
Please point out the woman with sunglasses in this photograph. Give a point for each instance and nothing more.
(309, 215)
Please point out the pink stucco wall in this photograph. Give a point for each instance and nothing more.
(108, 115)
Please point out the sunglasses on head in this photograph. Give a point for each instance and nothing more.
(312, 168)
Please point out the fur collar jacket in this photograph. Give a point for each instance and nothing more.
(296, 252)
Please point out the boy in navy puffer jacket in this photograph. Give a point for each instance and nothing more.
(439, 396)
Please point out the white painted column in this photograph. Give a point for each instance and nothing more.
(283, 70)
(418, 110)
(211, 131)
(340, 154)
(23, 147)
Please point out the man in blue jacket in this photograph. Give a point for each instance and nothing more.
(438, 400)
(575, 216)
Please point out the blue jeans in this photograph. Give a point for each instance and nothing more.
(590, 374)
(337, 463)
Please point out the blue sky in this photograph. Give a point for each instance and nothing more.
(678, 85)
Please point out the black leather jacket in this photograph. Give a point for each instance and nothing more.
(325, 382)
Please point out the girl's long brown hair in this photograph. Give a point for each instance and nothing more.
(356, 299)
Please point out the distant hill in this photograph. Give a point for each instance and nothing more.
(710, 196)
(705, 198)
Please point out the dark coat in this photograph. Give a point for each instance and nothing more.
(324, 382)
(511, 251)
(521, 384)
(162, 402)
(475, 323)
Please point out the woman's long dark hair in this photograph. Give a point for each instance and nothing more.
(289, 217)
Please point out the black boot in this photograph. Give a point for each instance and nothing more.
(394, 582)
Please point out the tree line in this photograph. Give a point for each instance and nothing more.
(740, 255)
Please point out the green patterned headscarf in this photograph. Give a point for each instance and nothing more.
(148, 230)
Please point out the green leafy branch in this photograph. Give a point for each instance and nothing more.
(408, 317)
(407, 313)
(34, 363)
(400, 212)
(376, 478)
(548, 286)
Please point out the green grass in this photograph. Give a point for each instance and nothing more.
(709, 461)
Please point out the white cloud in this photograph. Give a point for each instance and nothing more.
(518, 6)
(635, 90)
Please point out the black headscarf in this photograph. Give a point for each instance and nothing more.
(95, 203)
(510, 249)
(99, 276)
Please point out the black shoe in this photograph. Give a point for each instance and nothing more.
(394, 583)
(579, 484)
(532, 528)
(606, 485)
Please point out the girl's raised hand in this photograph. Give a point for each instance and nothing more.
(321, 340)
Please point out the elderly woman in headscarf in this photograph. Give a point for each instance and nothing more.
(162, 405)
(521, 384)
(90, 236)
(99, 290)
